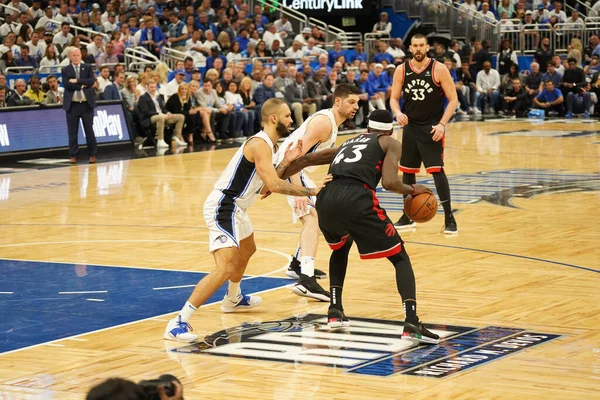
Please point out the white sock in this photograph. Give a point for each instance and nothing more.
(234, 289)
(307, 265)
(187, 311)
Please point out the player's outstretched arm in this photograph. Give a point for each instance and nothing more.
(258, 152)
(389, 172)
(397, 84)
(322, 157)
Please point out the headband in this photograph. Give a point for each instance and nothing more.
(381, 126)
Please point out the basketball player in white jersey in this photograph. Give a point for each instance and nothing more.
(230, 229)
(317, 133)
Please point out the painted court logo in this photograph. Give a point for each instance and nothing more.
(501, 187)
(368, 346)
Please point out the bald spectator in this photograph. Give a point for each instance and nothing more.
(295, 51)
(108, 57)
(18, 98)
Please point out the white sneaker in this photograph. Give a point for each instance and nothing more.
(179, 331)
(161, 144)
(477, 111)
(242, 302)
(179, 142)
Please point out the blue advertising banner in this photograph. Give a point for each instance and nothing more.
(24, 129)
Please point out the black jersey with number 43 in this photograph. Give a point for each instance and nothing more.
(359, 158)
(423, 98)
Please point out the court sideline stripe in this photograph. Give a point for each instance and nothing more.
(296, 233)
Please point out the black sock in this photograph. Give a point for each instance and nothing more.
(409, 179)
(405, 280)
(336, 297)
(338, 264)
(443, 189)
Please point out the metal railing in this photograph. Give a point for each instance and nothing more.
(18, 70)
(138, 56)
(49, 69)
(170, 56)
(76, 29)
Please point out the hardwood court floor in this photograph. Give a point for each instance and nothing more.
(534, 266)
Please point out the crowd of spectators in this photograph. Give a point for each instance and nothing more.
(235, 58)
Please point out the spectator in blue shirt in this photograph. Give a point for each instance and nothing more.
(25, 60)
(358, 54)
(383, 55)
(263, 92)
(152, 37)
(336, 52)
(378, 79)
(551, 74)
(201, 22)
(550, 99)
(377, 99)
(242, 39)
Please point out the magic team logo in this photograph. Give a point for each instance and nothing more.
(368, 346)
(500, 187)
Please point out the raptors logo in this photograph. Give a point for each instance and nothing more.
(390, 230)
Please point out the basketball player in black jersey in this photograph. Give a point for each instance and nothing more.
(424, 84)
(348, 210)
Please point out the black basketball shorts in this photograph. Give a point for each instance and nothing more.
(352, 210)
(418, 146)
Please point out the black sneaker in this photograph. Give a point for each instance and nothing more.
(294, 269)
(307, 286)
(417, 331)
(404, 222)
(336, 318)
(450, 225)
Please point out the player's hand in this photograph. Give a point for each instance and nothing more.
(327, 179)
(401, 118)
(292, 152)
(301, 205)
(420, 189)
(178, 392)
(438, 132)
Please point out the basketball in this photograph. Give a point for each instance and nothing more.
(420, 208)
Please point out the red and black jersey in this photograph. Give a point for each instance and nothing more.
(423, 97)
(360, 158)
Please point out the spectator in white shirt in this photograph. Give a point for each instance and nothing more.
(96, 47)
(295, 51)
(284, 25)
(304, 35)
(574, 21)
(19, 5)
(45, 23)
(37, 47)
(9, 25)
(271, 34)
(395, 50)
(210, 42)
(171, 87)
(195, 49)
(383, 26)
(562, 17)
(468, 7)
(488, 82)
(109, 10)
(35, 11)
(103, 79)
(63, 15)
(486, 14)
(64, 37)
(311, 48)
(111, 23)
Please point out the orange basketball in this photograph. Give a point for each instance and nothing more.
(420, 208)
